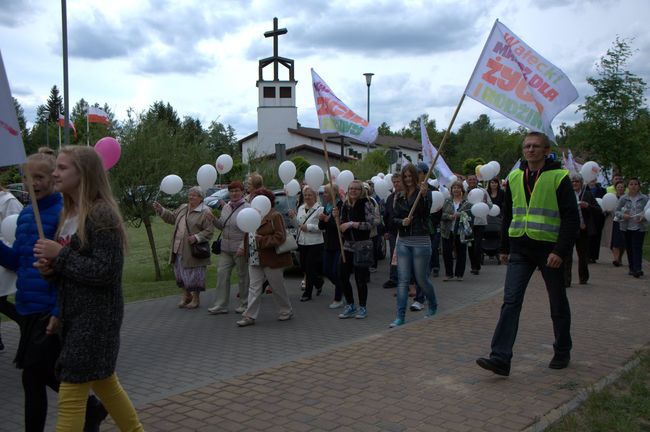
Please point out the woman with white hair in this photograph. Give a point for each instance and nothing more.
(193, 223)
(310, 242)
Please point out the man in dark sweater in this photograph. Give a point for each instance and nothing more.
(540, 224)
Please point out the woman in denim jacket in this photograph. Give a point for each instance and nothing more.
(630, 212)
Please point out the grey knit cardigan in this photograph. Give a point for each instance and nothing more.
(89, 280)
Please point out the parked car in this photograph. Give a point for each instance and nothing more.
(18, 190)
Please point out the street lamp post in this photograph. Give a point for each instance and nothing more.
(368, 76)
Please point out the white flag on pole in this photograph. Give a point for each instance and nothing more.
(429, 152)
(12, 149)
(513, 79)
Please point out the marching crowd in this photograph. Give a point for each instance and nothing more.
(69, 303)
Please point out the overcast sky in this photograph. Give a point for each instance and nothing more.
(202, 56)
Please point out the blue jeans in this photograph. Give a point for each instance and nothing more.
(413, 261)
(520, 270)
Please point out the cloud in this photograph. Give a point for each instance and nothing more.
(97, 38)
(14, 13)
(174, 60)
(393, 30)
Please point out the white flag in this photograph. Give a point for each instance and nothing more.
(335, 117)
(12, 149)
(429, 152)
(513, 79)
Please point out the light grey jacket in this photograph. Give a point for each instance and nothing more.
(232, 238)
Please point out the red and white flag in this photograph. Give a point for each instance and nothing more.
(97, 115)
(12, 149)
(70, 124)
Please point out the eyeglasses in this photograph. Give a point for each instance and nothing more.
(532, 146)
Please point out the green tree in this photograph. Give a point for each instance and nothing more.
(155, 144)
(469, 166)
(375, 162)
(615, 130)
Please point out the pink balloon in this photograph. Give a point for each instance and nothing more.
(109, 150)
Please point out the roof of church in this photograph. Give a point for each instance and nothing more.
(389, 141)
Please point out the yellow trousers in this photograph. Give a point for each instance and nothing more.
(72, 405)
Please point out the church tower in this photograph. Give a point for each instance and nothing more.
(277, 109)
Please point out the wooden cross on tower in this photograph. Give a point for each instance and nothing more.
(276, 59)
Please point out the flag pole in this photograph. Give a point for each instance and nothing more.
(87, 127)
(32, 197)
(442, 143)
(333, 198)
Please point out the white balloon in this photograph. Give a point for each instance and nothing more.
(437, 200)
(480, 209)
(445, 192)
(344, 179)
(292, 188)
(435, 183)
(335, 173)
(249, 220)
(609, 201)
(496, 168)
(647, 206)
(495, 210)
(487, 171)
(453, 179)
(589, 171)
(224, 163)
(381, 175)
(388, 178)
(287, 171)
(476, 195)
(314, 177)
(171, 184)
(375, 179)
(600, 202)
(206, 176)
(647, 215)
(8, 228)
(465, 185)
(382, 189)
(262, 204)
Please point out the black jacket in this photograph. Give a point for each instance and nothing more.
(569, 224)
(419, 225)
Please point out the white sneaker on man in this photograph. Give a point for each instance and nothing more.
(416, 306)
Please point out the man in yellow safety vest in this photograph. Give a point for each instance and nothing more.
(540, 226)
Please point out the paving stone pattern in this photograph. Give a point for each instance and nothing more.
(186, 370)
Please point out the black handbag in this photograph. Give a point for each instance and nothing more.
(362, 253)
(200, 250)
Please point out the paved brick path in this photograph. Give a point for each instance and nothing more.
(189, 371)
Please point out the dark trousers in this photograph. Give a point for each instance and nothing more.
(582, 249)
(435, 251)
(634, 249)
(448, 245)
(392, 240)
(475, 249)
(36, 379)
(331, 260)
(361, 276)
(311, 264)
(520, 269)
(595, 238)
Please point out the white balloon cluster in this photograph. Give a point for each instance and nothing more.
(488, 171)
(8, 228)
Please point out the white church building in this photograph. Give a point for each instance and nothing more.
(279, 135)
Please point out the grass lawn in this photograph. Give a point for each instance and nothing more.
(622, 406)
(138, 280)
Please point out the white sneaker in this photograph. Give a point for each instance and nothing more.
(336, 305)
(416, 306)
(240, 309)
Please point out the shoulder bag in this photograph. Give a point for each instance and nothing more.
(200, 250)
(216, 245)
(289, 243)
(363, 252)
